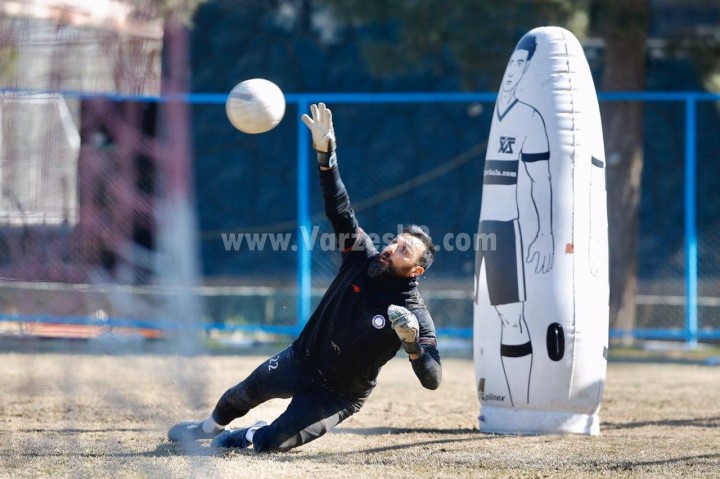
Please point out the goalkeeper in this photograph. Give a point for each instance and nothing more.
(371, 309)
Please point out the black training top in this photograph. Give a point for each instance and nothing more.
(348, 338)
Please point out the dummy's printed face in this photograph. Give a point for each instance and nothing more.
(515, 69)
(399, 258)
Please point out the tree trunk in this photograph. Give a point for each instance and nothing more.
(623, 26)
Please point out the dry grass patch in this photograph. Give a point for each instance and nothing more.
(94, 415)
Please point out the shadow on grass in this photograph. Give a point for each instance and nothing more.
(66, 430)
(197, 449)
(380, 431)
(405, 446)
(709, 422)
(463, 436)
(164, 449)
(682, 460)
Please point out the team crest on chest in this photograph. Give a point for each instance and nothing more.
(378, 321)
(506, 144)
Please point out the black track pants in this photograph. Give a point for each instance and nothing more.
(312, 412)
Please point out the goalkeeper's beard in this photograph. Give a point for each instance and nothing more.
(383, 269)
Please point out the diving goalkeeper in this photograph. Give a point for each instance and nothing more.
(370, 310)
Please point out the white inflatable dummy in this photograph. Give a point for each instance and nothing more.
(541, 276)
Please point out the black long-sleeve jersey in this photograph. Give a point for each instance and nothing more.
(348, 338)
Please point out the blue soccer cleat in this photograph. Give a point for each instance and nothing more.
(236, 438)
(188, 431)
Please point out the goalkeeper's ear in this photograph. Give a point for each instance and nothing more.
(417, 271)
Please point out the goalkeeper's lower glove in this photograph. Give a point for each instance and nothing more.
(406, 326)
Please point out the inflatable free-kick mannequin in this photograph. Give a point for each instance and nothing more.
(541, 275)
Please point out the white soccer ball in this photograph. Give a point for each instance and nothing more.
(255, 106)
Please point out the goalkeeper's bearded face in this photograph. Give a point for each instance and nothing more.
(399, 258)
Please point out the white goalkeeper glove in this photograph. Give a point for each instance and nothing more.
(406, 326)
(323, 134)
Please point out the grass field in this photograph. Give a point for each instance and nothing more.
(86, 413)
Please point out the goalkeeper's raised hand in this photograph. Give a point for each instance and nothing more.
(406, 326)
(323, 134)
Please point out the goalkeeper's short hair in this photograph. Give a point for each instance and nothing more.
(428, 255)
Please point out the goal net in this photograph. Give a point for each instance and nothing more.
(96, 223)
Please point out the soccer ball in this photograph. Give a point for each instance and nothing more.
(255, 106)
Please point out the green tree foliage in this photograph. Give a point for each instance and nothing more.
(699, 42)
(471, 35)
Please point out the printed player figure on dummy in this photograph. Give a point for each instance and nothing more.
(518, 137)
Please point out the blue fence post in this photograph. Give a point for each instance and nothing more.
(304, 251)
(691, 253)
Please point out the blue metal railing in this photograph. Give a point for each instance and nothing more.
(690, 333)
